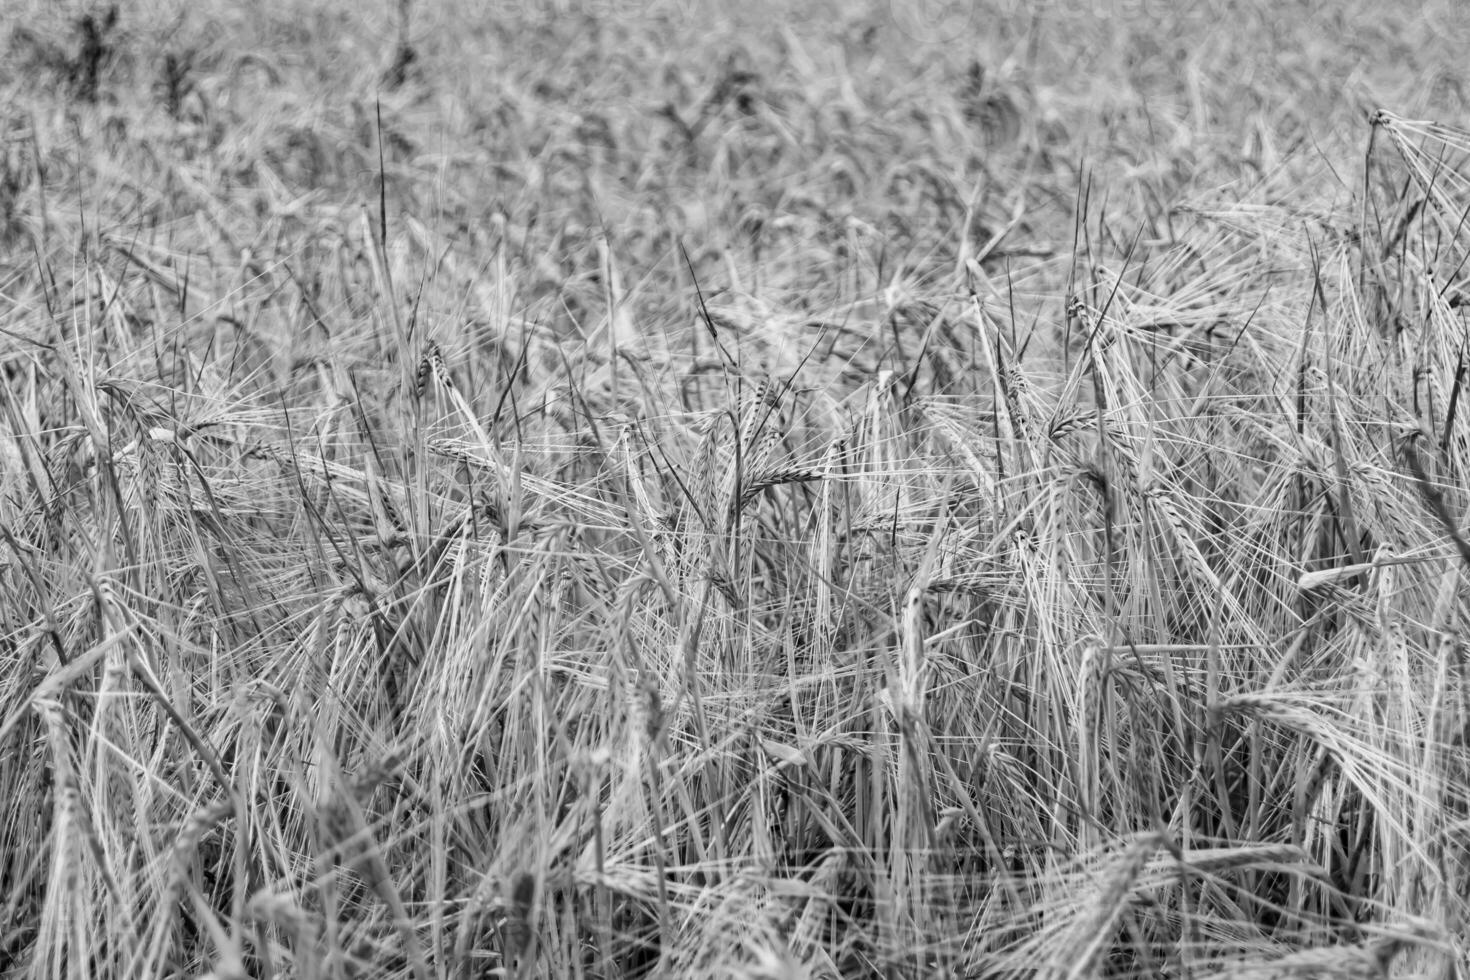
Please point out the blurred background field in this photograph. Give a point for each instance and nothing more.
(596, 488)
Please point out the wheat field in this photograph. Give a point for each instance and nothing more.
(646, 488)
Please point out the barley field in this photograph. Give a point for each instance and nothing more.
(656, 488)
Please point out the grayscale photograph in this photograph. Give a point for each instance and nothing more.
(756, 490)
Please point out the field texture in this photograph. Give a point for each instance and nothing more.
(655, 488)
